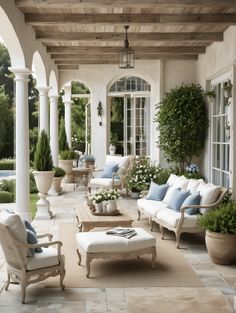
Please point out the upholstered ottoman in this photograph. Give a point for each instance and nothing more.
(100, 245)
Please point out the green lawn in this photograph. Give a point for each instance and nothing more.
(33, 199)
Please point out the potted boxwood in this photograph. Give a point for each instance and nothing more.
(43, 174)
(66, 163)
(55, 189)
(220, 227)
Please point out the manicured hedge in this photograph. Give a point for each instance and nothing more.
(6, 197)
(7, 164)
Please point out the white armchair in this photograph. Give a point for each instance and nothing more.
(118, 179)
(23, 268)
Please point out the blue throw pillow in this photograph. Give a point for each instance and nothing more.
(29, 227)
(177, 198)
(31, 239)
(109, 169)
(157, 192)
(193, 199)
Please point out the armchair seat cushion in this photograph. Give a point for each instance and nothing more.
(41, 260)
(151, 206)
(104, 182)
(171, 217)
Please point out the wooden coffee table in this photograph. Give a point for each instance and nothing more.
(87, 221)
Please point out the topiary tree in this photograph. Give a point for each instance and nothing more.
(63, 145)
(182, 124)
(42, 156)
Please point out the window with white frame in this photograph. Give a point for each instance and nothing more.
(220, 135)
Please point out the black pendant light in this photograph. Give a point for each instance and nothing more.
(126, 55)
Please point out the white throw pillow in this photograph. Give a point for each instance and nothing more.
(209, 194)
(193, 184)
(168, 195)
(181, 182)
(122, 161)
(171, 179)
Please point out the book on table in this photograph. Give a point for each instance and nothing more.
(122, 232)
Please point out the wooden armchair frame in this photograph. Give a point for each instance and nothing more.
(17, 269)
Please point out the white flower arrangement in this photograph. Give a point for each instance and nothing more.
(104, 195)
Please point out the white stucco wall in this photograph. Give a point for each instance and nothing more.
(220, 58)
(98, 78)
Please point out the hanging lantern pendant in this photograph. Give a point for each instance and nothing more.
(126, 55)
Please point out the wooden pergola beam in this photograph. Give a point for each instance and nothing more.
(110, 36)
(68, 67)
(138, 49)
(114, 56)
(114, 60)
(123, 3)
(67, 52)
(121, 19)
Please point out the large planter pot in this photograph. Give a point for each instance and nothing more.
(43, 181)
(67, 166)
(55, 189)
(221, 247)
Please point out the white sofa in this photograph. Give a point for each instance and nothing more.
(180, 221)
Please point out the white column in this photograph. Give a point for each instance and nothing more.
(68, 121)
(54, 128)
(43, 108)
(22, 142)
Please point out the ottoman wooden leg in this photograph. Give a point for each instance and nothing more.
(88, 261)
(154, 257)
(79, 256)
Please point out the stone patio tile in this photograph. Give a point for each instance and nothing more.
(211, 278)
(18, 308)
(95, 306)
(115, 295)
(60, 307)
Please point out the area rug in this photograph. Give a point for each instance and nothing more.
(172, 269)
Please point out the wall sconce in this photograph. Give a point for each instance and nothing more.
(99, 109)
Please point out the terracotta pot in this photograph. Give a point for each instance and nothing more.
(221, 247)
(67, 166)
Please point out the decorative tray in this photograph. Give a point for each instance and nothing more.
(114, 213)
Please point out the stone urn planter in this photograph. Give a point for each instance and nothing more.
(221, 247)
(43, 181)
(67, 166)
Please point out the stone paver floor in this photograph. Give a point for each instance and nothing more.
(86, 300)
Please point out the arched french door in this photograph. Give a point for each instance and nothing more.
(130, 115)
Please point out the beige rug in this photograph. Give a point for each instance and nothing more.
(172, 269)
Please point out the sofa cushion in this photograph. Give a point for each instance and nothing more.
(17, 228)
(177, 198)
(101, 242)
(209, 194)
(172, 217)
(30, 237)
(151, 206)
(121, 161)
(168, 195)
(45, 259)
(157, 192)
(104, 182)
(193, 184)
(181, 182)
(109, 169)
(192, 199)
(171, 179)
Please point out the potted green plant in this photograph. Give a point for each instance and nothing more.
(139, 179)
(66, 163)
(220, 227)
(43, 174)
(55, 189)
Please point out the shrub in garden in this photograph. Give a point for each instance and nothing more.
(6, 197)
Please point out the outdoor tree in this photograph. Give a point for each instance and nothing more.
(42, 156)
(182, 124)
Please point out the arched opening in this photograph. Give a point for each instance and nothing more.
(129, 100)
(53, 84)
